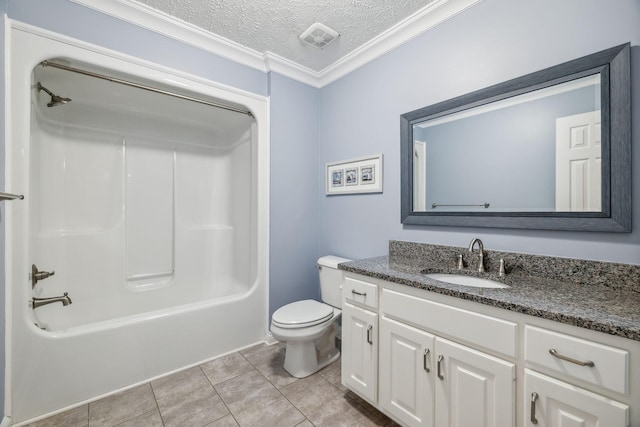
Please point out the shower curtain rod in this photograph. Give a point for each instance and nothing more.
(140, 86)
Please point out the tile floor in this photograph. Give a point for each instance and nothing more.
(248, 388)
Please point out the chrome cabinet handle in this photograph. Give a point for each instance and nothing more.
(362, 294)
(440, 359)
(534, 397)
(425, 357)
(555, 353)
(369, 331)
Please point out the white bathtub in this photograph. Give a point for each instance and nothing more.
(151, 210)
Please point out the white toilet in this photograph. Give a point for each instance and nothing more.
(309, 327)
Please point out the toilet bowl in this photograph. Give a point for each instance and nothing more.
(309, 327)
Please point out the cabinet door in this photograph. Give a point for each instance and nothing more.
(406, 373)
(553, 403)
(473, 388)
(360, 351)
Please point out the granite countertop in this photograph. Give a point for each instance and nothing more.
(596, 306)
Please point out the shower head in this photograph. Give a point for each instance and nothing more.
(55, 99)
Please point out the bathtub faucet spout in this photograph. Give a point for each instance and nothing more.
(37, 302)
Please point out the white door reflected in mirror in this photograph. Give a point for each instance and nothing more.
(579, 163)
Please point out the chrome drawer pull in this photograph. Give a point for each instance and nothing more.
(534, 397)
(362, 294)
(369, 331)
(555, 353)
(440, 359)
(424, 360)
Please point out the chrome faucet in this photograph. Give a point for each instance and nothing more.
(480, 252)
(37, 302)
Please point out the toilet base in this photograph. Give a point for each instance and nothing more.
(303, 358)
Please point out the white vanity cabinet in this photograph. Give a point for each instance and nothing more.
(556, 402)
(428, 380)
(360, 338)
(473, 388)
(427, 359)
(407, 384)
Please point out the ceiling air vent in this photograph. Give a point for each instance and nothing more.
(319, 35)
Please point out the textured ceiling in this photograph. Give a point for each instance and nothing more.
(274, 25)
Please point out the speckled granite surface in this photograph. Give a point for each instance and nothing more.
(604, 297)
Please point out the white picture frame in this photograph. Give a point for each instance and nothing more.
(361, 175)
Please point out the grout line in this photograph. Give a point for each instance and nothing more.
(218, 394)
(306, 418)
(157, 405)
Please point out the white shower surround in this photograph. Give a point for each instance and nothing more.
(185, 283)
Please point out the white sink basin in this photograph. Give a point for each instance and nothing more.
(459, 279)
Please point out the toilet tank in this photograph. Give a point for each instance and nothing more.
(331, 279)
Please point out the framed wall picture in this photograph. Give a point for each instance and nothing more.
(362, 175)
(351, 176)
(337, 178)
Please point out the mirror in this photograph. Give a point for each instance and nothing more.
(549, 150)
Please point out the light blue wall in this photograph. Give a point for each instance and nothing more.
(494, 41)
(294, 201)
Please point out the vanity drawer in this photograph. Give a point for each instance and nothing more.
(360, 292)
(610, 365)
(496, 335)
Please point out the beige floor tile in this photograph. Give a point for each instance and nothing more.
(76, 417)
(316, 398)
(262, 353)
(368, 415)
(180, 383)
(325, 405)
(120, 407)
(333, 373)
(188, 398)
(150, 419)
(270, 363)
(254, 401)
(197, 408)
(305, 423)
(226, 367)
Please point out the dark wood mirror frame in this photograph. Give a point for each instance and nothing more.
(614, 67)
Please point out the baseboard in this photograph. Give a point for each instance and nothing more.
(6, 422)
(268, 339)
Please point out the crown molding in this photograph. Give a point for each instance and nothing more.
(159, 22)
(420, 22)
(151, 19)
(293, 70)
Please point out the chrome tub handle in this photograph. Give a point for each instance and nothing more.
(10, 196)
(555, 353)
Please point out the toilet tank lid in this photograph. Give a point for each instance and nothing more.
(331, 261)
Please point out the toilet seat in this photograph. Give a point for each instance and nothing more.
(302, 314)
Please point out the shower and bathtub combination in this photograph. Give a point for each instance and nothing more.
(140, 247)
